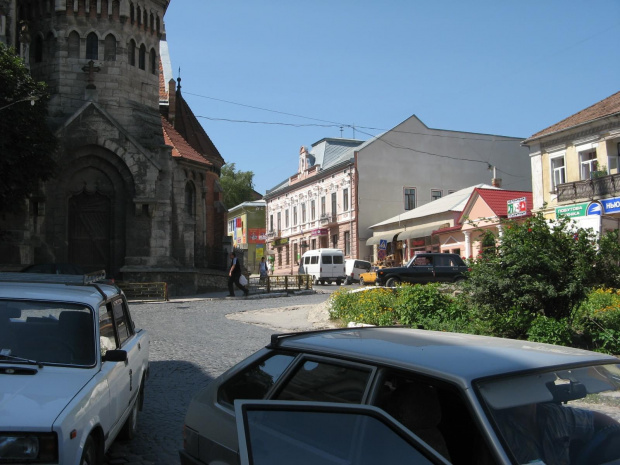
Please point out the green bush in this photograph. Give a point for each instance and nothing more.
(420, 302)
(550, 331)
(599, 320)
(372, 306)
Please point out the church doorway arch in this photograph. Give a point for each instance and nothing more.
(90, 225)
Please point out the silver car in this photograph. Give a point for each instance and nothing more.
(401, 395)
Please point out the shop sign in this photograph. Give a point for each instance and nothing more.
(612, 205)
(595, 208)
(418, 243)
(319, 232)
(572, 211)
(280, 242)
(517, 207)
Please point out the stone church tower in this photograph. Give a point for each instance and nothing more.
(137, 192)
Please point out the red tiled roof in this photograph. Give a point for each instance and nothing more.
(180, 147)
(186, 123)
(163, 86)
(606, 107)
(497, 200)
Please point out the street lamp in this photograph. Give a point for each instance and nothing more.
(32, 99)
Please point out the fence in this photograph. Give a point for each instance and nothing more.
(144, 291)
(280, 283)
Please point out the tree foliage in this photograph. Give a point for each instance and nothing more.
(238, 186)
(540, 267)
(27, 144)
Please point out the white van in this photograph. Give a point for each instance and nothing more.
(324, 265)
(354, 268)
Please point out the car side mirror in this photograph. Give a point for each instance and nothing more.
(115, 356)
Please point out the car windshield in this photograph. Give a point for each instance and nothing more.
(46, 332)
(565, 416)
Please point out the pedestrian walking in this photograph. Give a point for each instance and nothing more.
(233, 276)
(263, 270)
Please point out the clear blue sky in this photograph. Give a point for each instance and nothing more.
(509, 68)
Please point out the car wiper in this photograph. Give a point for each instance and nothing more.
(12, 358)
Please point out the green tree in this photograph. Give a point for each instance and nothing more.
(238, 186)
(607, 267)
(539, 267)
(27, 144)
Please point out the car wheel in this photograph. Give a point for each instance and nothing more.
(322, 282)
(348, 281)
(392, 282)
(316, 281)
(130, 428)
(362, 282)
(89, 455)
(338, 282)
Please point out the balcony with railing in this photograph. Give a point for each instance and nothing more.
(328, 218)
(599, 186)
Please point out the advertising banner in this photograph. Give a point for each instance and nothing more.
(516, 207)
(256, 235)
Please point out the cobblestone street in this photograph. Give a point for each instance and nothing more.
(192, 342)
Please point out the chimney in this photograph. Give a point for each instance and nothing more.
(496, 182)
(172, 101)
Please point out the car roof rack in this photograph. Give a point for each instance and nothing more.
(88, 278)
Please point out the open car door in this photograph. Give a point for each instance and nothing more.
(313, 433)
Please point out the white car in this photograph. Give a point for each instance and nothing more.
(400, 395)
(72, 368)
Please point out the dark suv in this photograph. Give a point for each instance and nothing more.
(425, 268)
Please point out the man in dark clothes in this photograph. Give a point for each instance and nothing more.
(233, 276)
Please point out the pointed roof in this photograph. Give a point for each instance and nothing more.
(497, 200)
(606, 107)
(186, 123)
(180, 147)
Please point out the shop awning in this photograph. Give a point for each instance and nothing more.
(422, 230)
(387, 236)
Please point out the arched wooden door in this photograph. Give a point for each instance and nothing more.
(90, 226)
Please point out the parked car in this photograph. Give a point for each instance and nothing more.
(72, 368)
(353, 269)
(469, 398)
(370, 276)
(324, 265)
(425, 268)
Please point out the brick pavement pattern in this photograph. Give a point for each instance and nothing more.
(192, 342)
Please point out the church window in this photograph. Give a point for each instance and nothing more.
(132, 14)
(132, 52)
(139, 16)
(146, 20)
(142, 57)
(37, 49)
(92, 46)
(74, 45)
(153, 61)
(116, 6)
(157, 26)
(190, 199)
(152, 23)
(50, 46)
(110, 48)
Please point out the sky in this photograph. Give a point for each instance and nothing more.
(265, 77)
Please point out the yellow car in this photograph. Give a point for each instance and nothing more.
(369, 277)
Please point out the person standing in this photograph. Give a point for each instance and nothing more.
(233, 276)
(262, 269)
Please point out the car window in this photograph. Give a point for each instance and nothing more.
(338, 259)
(437, 413)
(326, 259)
(306, 260)
(255, 381)
(325, 382)
(323, 434)
(107, 339)
(314, 259)
(123, 326)
(48, 332)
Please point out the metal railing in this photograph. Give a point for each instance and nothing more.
(287, 283)
(589, 188)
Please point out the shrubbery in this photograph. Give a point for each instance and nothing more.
(594, 325)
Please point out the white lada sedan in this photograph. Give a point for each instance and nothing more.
(400, 395)
(72, 368)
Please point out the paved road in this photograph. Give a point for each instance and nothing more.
(192, 342)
